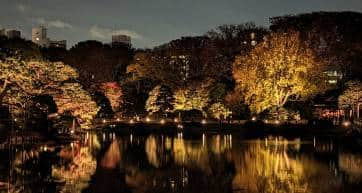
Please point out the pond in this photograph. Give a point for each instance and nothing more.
(209, 162)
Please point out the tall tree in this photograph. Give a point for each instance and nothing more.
(280, 68)
(160, 100)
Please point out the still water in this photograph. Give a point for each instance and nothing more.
(108, 162)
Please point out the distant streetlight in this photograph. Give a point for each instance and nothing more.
(162, 121)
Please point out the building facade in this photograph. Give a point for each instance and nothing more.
(39, 36)
(121, 40)
(58, 44)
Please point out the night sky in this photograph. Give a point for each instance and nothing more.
(149, 22)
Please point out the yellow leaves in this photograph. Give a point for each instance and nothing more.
(273, 70)
(74, 99)
(191, 98)
(113, 91)
(41, 77)
(219, 111)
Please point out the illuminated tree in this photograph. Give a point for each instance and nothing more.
(74, 99)
(351, 98)
(219, 111)
(276, 70)
(113, 92)
(160, 100)
(21, 80)
(191, 98)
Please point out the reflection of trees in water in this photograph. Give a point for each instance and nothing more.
(112, 156)
(30, 170)
(181, 165)
(351, 164)
(263, 167)
(191, 154)
(76, 168)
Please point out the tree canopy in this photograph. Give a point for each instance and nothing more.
(280, 68)
(21, 80)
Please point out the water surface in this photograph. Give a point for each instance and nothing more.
(211, 162)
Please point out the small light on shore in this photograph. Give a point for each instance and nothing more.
(253, 118)
(346, 123)
(131, 121)
(203, 122)
(277, 122)
(148, 119)
(162, 121)
(104, 121)
(175, 120)
(180, 126)
(72, 131)
(118, 119)
(15, 119)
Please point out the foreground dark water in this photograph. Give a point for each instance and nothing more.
(211, 162)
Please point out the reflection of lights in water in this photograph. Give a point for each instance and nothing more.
(179, 135)
(314, 141)
(76, 175)
(266, 142)
(131, 138)
(104, 136)
(72, 131)
(180, 126)
(112, 156)
(168, 143)
(231, 141)
(346, 123)
(148, 119)
(151, 151)
(175, 120)
(104, 121)
(203, 140)
(118, 119)
(172, 183)
(131, 121)
(277, 122)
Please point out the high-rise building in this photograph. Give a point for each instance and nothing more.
(13, 34)
(39, 36)
(119, 40)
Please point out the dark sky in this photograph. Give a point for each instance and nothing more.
(149, 22)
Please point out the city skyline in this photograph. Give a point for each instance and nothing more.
(148, 23)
